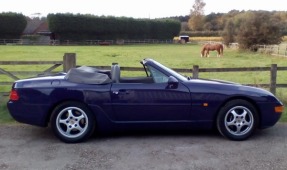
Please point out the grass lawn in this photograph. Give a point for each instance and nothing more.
(4, 115)
(171, 55)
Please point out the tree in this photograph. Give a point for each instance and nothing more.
(228, 34)
(258, 27)
(196, 21)
(213, 22)
(12, 25)
(282, 16)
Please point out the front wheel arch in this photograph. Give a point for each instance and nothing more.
(237, 98)
(237, 119)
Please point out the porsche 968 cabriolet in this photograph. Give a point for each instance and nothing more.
(86, 99)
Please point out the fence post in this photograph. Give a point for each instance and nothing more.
(273, 75)
(195, 71)
(69, 61)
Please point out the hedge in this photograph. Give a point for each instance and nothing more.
(84, 27)
(12, 25)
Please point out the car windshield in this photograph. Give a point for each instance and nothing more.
(174, 73)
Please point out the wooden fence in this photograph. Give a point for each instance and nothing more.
(69, 61)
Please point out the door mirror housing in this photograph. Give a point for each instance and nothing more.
(172, 83)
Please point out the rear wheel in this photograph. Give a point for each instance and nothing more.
(237, 120)
(72, 122)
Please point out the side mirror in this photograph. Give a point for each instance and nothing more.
(172, 83)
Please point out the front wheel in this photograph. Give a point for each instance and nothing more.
(237, 120)
(72, 122)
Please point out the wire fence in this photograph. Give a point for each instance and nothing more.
(278, 50)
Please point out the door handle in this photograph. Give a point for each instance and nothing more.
(115, 92)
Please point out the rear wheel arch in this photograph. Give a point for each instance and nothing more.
(79, 127)
(52, 108)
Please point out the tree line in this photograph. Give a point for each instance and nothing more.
(248, 28)
(217, 21)
(254, 28)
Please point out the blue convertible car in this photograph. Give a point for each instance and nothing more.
(85, 99)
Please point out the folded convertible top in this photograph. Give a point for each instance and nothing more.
(88, 75)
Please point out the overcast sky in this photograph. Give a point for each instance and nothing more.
(134, 8)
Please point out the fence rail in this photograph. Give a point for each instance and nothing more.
(11, 41)
(84, 42)
(12, 74)
(278, 50)
(196, 70)
(69, 61)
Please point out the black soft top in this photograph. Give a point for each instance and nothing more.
(88, 75)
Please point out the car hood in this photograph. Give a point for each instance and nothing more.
(215, 81)
(226, 88)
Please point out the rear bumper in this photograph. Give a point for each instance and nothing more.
(28, 113)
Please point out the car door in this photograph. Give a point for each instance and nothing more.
(151, 101)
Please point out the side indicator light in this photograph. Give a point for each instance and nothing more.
(279, 109)
(14, 95)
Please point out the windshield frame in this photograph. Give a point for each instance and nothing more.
(167, 71)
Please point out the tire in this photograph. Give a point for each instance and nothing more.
(72, 122)
(237, 120)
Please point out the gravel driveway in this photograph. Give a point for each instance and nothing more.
(28, 147)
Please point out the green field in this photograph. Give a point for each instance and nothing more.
(171, 55)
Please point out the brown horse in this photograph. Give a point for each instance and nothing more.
(211, 47)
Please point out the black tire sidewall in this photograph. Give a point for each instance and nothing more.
(220, 122)
(85, 135)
